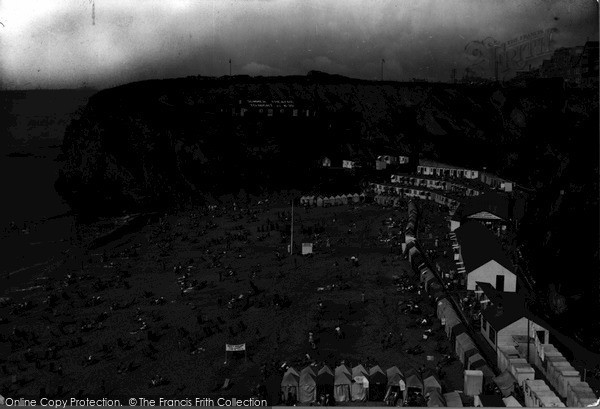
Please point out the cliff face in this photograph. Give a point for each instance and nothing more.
(148, 142)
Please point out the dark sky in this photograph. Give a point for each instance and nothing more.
(54, 43)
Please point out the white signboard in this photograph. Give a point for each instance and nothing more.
(235, 348)
(307, 248)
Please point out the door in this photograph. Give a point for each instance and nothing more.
(500, 283)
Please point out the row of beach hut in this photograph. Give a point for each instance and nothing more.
(355, 384)
(333, 200)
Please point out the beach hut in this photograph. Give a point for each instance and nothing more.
(511, 402)
(530, 387)
(522, 372)
(395, 383)
(473, 382)
(290, 384)
(413, 382)
(435, 399)
(553, 370)
(475, 361)
(342, 383)
(453, 399)
(450, 321)
(337, 200)
(505, 382)
(550, 401)
(565, 377)
(360, 384)
(307, 386)
(462, 344)
(377, 383)
(469, 353)
(355, 198)
(504, 354)
(579, 394)
(325, 380)
(430, 383)
(344, 199)
(319, 201)
(456, 330)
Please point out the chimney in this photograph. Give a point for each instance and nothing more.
(499, 310)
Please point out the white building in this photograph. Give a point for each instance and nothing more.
(431, 168)
(348, 164)
(483, 258)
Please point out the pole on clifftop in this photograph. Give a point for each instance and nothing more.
(292, 231)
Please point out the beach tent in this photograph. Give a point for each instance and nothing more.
(377, 383)
(473, 382)
(435, 399)
(342, 383)
(307, 386)
(450, 320)
(290, 383)
(442, 306)
(395, 378)
(360, 384)
(505, 382)
(453, 399)
(430, 384)
(325, 381)
(413, 381)
(511, 402)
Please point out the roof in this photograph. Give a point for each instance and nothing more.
(478, 246)
(491, 202)
(505, 308)
(434, 164)
(376, 375)
(394, 375)
(325, 376)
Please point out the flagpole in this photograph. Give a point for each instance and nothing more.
(292, 231)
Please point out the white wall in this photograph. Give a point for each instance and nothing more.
(487, 273)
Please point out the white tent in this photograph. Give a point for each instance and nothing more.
(360, 384)
(290, 383)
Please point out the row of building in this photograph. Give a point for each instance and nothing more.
(520, 339)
